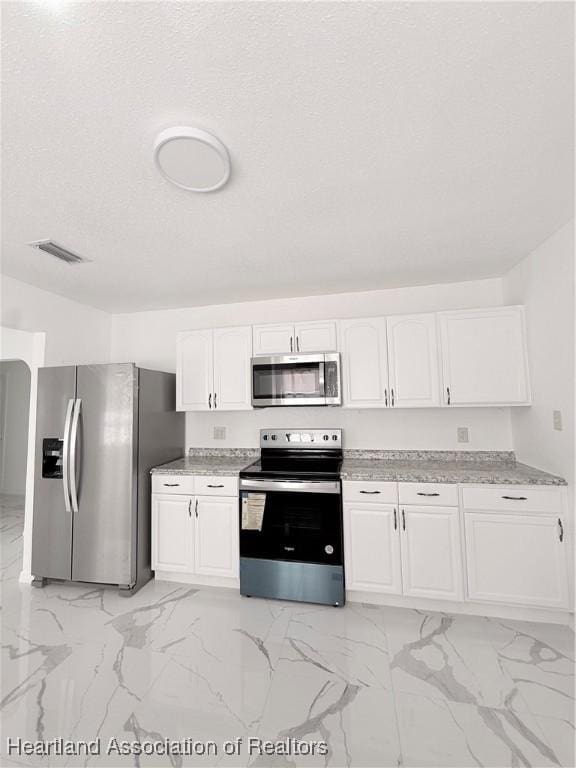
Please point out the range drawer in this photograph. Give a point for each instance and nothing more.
(215, 485)
(173, 484)
(513, 498)
(441, 494)
(370, 490)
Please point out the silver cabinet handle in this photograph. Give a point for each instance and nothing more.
(395, 520)
(189, 507)
(297, 343)
(403, 521)
(560, 530)
(171, 485)
(448, 395)
(210, 400)
(370, 493)
(196, 508)
(419, 493)
(291, 344)
(515, 498)
(66, 456)
(73, 468)
(215, 402)
(386, 397)
(221, 485)
(392, 395)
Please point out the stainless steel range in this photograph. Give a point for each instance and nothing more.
(291, 543)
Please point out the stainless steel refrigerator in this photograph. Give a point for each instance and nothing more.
(99, 431)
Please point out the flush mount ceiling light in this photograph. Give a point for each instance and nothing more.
(192, 159)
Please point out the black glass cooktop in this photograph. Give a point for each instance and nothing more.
(319, 465)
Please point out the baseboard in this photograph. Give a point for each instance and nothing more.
(200, 581)
(519, 613)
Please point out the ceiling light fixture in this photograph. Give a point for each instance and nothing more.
(192, 159)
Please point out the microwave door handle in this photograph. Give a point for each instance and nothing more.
(66, 456)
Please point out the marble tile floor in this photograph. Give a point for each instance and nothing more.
(379, 686)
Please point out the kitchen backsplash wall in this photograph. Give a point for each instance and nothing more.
(428, 429)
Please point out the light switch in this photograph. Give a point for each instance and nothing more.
(219, 433)
(463, 435)
(557, 420)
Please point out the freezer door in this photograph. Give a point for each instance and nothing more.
(52, 516)
(103, 486)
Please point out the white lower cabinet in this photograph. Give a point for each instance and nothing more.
(516, 558)
(216, 536)
(172, 535)
(372, 547)
(431, 552)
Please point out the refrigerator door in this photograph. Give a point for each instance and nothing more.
(52, 517)
(103, 474)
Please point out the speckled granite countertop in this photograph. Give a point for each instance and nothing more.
(488, 467)
(209, 462)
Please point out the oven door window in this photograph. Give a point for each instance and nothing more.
(302, 527)
(287, 381)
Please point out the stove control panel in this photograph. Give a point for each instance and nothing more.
(301, 438)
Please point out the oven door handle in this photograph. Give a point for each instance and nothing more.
(294, 486)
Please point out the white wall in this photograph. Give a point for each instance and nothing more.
(14, 416)
(74, 332)
(544, 283)
(149, 339)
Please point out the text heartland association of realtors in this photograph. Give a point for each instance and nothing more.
(188, 746)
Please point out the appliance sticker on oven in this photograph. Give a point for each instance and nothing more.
(253, 511)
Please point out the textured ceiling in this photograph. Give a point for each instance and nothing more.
(373, 144)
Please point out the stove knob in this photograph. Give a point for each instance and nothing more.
(265, 437)
(334, 437)
(325, 437)
(273, 437)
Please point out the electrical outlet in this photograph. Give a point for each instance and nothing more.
(557, 420)
(463, 435)
(219, 433)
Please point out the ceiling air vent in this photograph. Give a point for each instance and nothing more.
(49, 246)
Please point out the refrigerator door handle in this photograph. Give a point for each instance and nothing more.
(66, 456)
(73, 441)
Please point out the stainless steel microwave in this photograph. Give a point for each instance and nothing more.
(306, 379)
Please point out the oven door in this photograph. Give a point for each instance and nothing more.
(302, 521)
(288, 380)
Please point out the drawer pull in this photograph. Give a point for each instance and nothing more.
(420, 493)
(171, 485)
(515, 498)
(221, 485)
(560, 530)
(370, 493)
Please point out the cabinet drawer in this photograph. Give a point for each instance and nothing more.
(513, 498)
(370, 490)
(215, 485)
(183, 484)
(441, 494)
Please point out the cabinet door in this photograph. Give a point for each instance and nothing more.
(315, 337)
(232, 353)
(372, 548)
(194, 371)
(273, 339)
(431, 552)
(216, 536)
(484, 357)
(413, 361)
(364, 363)
(516, 558)
(172, 548)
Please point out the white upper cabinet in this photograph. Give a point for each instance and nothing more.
(232, 353)
(315, 337)
(273, 339)
(413, 374)
(194, 371)
(364, 362)
(484, 359)
(289, 338)
(213, 369)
